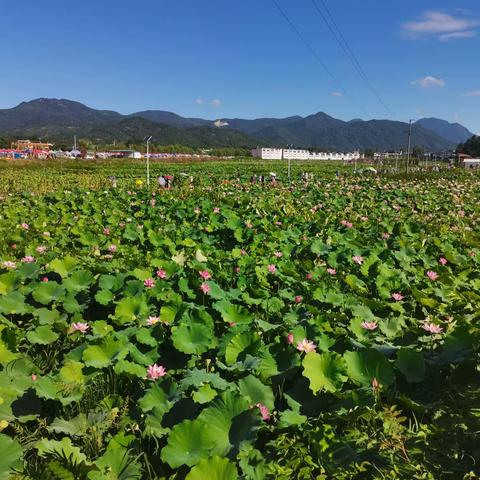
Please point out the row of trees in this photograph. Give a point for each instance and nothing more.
(470, 147)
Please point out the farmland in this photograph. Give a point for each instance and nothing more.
(223, 329)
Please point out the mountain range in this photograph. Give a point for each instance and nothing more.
(59, 119)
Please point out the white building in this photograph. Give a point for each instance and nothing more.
(471, 163)
(268, 153)
(292, 154)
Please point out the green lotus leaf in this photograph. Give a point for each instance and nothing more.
(232, 313)
(325, 371)
(254, 390)
(215, 468)
(193, 338)
(155, 397)
(72, 372)
(411, 364)
(12, 456)
(187, 444)
(104, 297)
(218, 418)
(78, 281)
(13, 303)
(63, 266)
(130, 309)
(42, 335)
(204, 394)
(242, 342)
(63, 449)
(364, 366)
(116, 464)
(6, 356)
(47, 292)
(131, 368)
(102, 356)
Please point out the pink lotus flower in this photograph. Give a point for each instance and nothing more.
(364, 219)
(298, 299)
(112, 248)
(243, 252)
(216, 210)
(385, 235)
(432, 328)
(306, 346)
(346, 224)
(106, 231)
(41, 249)
(149, 283)
(309, 276)
(263, 411)
(25, 226)
(443, 261)
(155, 371)
(196, 210)
(331, 271)
(205, 274)
(161, 273)
(272, 268)
(290, 338)
(237, 269)
(398, 297)
(14, 246)
(357, 259)
(278, 254)
(80, 327)
(28, 259)
(205, 288)
(375, 384)
(232, 324)
(152, 321)
(432, 275)
(44, 279)
(9, 265)
(34, 377)
(369, 325)
(278, 223)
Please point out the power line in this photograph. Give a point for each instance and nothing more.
(316, 56)
(342, 42)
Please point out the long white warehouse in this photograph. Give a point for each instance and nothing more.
(291, 154)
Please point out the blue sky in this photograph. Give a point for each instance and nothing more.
(240, 58)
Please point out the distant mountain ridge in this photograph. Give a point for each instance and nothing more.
(451, 131)
(60, 119)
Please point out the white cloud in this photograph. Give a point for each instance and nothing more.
(216, 103)
(336, 94)
(444, 26)
(453, 36)
(199, 101)
(474, 93)
(429, 82)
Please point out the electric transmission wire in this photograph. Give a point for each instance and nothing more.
(344, 45)
(317, 56)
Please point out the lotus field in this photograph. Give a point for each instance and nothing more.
(228, 330)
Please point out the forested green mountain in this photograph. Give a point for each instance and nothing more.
(59, 120)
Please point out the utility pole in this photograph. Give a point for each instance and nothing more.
(75, 142)
(147, 139)
(289, 164)
(409, 143)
